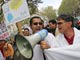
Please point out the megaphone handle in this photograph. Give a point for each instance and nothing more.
(43, 54)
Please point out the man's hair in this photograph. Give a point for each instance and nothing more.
(67, 18)
(53, 21)
(31, 20)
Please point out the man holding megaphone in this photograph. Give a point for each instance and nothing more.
(30, 47)
(37, 24)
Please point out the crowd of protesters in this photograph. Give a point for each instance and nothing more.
(67, 32)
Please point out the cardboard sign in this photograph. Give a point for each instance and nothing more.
(15, 11)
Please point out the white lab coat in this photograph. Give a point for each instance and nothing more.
(38, 52)
(62, 50)
(61, 41)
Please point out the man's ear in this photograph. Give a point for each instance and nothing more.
(69, 23)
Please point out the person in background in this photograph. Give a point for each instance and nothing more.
(6, 49)
(37, 24)
(52, 26)
(26, 32)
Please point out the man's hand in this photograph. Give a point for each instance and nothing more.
(44, 45)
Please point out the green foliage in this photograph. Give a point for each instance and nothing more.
(26, 21)
(33, 6)
(68, 6)
(1, 17)
(49, 12)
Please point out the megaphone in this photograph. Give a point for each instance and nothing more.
(25, 45)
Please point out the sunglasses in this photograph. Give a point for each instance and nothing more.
(36, 23)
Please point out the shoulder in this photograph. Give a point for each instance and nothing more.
(50, 34)
(77, 32)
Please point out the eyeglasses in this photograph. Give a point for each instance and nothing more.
(36, 23)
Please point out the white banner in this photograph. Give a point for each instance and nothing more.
(15, 11)
(71, 52)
